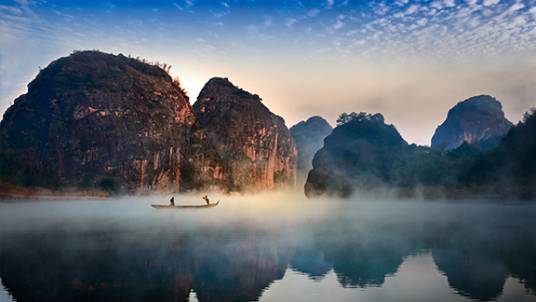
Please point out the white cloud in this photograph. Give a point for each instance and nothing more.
(519, 21)
(338, 24)
(474, 23)
(516, 6)
(291, 22)
(178, 6)
(487, 12)
(490, 2)
(329, 3)
(381, 9)
(221, 14)
(359, 42)
(422, 21)
(467, 27)
(352, 32)
(10, 9)
(412, 9)
(437, 5)
(450, 3)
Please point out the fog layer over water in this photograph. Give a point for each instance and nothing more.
(268, 247)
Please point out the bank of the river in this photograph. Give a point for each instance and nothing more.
(8, 191)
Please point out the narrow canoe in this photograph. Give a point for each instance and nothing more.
(162, 206)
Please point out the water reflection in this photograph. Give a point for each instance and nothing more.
(171, 256)
(417, 279)
(4, 295)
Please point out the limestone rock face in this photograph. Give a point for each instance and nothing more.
(96, 120)
(478, 121)
(255, 147)
(99, 119)
(309, 137)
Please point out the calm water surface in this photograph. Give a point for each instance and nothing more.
(268, 248)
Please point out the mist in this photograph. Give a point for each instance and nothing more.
(122, 248)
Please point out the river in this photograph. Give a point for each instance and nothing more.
(268, 247)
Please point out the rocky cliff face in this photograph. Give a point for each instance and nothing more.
(93, 119)
(309, 137)
(478, 120)
(96, 120)
(255, 147)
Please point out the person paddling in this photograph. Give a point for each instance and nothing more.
(172, 201)
(206, 199)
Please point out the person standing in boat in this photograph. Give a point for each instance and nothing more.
(206, 199)
(172, 201)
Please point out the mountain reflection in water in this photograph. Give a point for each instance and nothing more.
(267, 250)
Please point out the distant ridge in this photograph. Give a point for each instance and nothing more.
(309, 137)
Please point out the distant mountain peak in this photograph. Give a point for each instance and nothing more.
(224, 87)
(220, 81)
(478, 120)
(316, 119)
(309, 137)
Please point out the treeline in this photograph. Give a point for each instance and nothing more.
(365, 154)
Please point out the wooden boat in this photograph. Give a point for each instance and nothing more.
(166, 206)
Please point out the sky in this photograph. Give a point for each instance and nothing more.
(409, 60)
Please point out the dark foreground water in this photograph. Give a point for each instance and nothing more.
(268, 248)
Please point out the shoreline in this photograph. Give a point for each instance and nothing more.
(8, 192)
(30, 197)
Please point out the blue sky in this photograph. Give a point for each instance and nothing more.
(411, 60)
